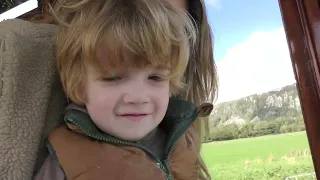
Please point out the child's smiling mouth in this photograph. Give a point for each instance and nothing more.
(134, 116)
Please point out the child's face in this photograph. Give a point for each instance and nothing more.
(129, 104)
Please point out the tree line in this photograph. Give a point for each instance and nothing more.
(260, 128)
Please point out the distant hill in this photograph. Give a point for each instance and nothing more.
(283, 102)
(280, 107)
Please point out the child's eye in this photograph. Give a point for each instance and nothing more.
(156, 78)
(114, 78)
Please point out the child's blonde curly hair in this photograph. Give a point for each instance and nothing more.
(134, 34)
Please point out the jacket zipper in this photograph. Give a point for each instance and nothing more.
(181, 129)
(181, 132)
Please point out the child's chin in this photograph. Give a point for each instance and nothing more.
(133, 138)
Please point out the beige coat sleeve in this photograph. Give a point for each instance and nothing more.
(31, 96)
(50, 170)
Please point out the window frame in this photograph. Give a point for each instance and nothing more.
(301, 21)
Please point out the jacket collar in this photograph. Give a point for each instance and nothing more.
(179, 117)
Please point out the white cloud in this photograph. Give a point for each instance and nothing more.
(213, 3)
(259, 64)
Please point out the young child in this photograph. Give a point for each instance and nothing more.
(120, 62)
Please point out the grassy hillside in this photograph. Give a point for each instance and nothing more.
(265, 158)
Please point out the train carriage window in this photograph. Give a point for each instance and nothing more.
(266, 122)
(257, 129)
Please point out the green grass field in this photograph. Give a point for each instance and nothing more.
(271, 157)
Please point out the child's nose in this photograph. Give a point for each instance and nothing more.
(136, 94)
(135, 98)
